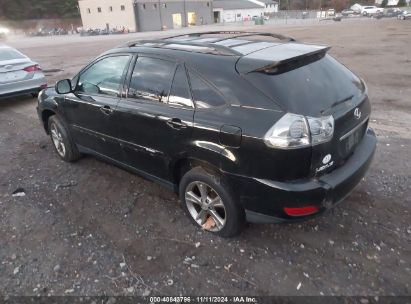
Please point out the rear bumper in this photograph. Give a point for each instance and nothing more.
(264, 200)
(34, 85)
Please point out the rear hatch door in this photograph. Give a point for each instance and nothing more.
(304, 80)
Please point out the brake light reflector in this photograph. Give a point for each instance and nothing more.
(301, 211)
(32, 68)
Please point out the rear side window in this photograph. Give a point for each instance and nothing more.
(180, 90)
(9, 54)
(204, 95)
(104, 77)
(151, 79)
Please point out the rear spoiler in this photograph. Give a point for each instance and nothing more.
(281, 58)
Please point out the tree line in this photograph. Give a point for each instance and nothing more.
(38, 9)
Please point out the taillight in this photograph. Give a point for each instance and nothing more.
(296, 131)
(32, 68)
(321, 129)
(290, 132)
(301, 211)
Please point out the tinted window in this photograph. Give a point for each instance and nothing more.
(180, 91)
(204, 95)
(151, 79)
(310, 88)
(103, 77)
(9, 54)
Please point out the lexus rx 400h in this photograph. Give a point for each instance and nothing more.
(243, 126)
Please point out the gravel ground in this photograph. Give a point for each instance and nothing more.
(90, 228)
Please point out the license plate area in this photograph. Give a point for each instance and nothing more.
(352, 140)
(11, 76)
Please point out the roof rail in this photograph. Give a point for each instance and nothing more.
(209, 48)
(236, 33)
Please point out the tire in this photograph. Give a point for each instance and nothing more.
(61, 140)
(219, 204)
(34, 95)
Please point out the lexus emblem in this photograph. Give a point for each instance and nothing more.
(327, 159)
(357, 113)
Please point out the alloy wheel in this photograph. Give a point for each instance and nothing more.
(57, 140)
(204, 204)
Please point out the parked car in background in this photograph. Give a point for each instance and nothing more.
(57, 32)
(242, 130)
(337, 17)
(348, 12)
(331, 12)
(404, 15)
(47, 32)
(392, 12)
(97, 32)
(19, 74)
(371, 10)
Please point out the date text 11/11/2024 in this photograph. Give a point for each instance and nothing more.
(203, 299)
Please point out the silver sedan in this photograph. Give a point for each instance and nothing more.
(19, 74)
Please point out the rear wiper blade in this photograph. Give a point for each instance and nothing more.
(341, 101)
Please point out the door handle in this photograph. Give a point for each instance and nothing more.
(106, 110)
(176, 123)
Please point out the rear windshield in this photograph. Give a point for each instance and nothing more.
(309, 89)
(9, 54)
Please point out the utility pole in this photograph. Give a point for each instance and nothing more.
(185, 14)
(288, 10)
(161, 18)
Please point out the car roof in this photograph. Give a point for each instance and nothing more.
(248, 51)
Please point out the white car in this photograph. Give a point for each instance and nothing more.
(404, 15)
(19, 74)
(371, 10)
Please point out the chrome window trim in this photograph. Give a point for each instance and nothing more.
(354, 129)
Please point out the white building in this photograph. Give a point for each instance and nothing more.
(144, 15)
(97, 14)
(240, 10)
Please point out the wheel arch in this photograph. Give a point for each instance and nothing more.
(185, 164)
(45, 115)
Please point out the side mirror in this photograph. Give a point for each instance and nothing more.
(63, 86)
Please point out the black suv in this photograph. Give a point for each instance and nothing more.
(244, 126)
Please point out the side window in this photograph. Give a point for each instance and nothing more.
(103, 77)
(204, 96)
(180, 91)
(151, 79)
